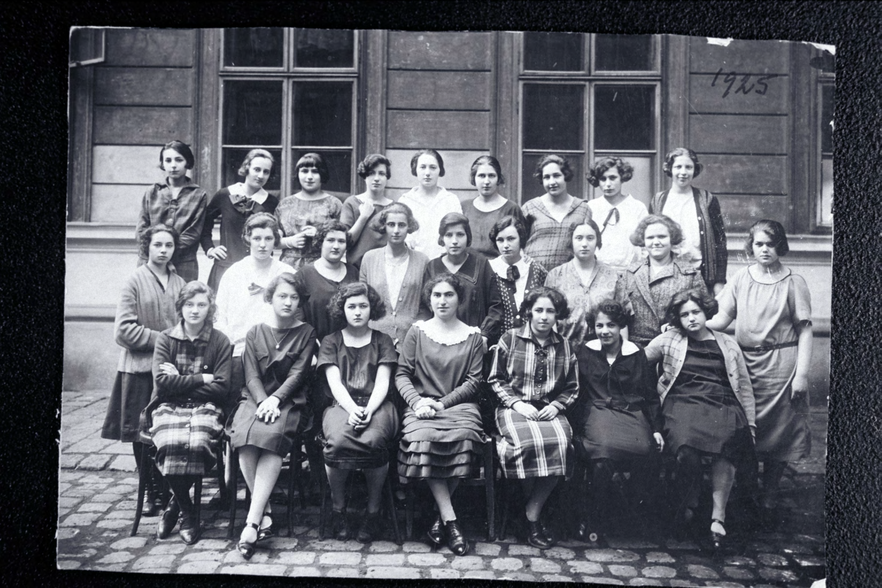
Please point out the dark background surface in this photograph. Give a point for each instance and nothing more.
(33, 98)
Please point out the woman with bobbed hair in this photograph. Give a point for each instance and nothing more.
(146, 308)
(534, 375)
(774, 329)
(616, 214)
(439, 377)
(651, 284)
(707, 404)
(550, 216)
(428, 201)
(272, 409)
(360, 209)
(191, 372)
(481, 305)
(617, 417)
(514, 272)
(301, 214)
(698, 214)
(233, 205)
(395, 271)
(489, 205)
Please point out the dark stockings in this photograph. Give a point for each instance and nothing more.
(180, 487)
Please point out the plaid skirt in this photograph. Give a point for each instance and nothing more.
(186, 438)
(533, 449)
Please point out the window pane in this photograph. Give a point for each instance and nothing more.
(639, 186)
(624, 117)
(828, 103)
(623, 52)
(532, 187)
(322, 114)
(553, 52)
(252, 112)
(253, 47)
(553, 116)
(339, 168)
(825, 210)
(323, 48)
(233, 158)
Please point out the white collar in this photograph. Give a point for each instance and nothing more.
(239, 190)
(628, 347)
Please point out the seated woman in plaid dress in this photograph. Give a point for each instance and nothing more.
(534, 376)
(191, 372)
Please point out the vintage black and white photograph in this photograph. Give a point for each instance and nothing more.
(489, 305)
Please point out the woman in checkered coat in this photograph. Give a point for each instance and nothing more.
(534, 376)
(191, 373)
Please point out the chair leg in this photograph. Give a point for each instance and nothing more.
(490, 494)
(144, 472)
(323, 515)
(387, 487)
(221, 484)
(197, 499)
(234, 478)
(504, 504)
(408, 511)
(295, 474)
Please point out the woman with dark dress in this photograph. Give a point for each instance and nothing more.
(618, 415)
(273, 408)
(489, 206)
(234, 205)
(534, 374)
(357, 363)
(146, 308)
(439, 375)
(707, 405)
(191, 370)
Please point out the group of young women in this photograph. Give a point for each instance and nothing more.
(556, 313)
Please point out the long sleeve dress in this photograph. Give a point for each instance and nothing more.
(529, 275)
(145, 309)
(446, 368)
(549, 241)
(481, 223)
(187, 414)
(295, 213)
(766, 331)
(233, 207)
(277, 363)
(399, 285)
(319, 291)
(525, 371)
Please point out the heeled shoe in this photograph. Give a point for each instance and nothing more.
(455, 539)
(265, 532)
(549, 536)
(168, 520)
(436, 532)
(536, 535)
(246, 548)
(190, 529)
(339, 525)
(369, 529)
(717, 539)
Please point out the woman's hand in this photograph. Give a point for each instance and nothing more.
(425, 412)
(547, 413)
(268, 410)
(365, 209)
(169, 369)
(659, 442)
(528, 411)
(297, 241)
(799, 389)
(207, 378)
(356, 417)
(366, 416)
(219, 252)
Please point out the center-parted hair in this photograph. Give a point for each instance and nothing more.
(486, 160)
(604, 164)
(337, 304)
(572, 231)
(433, 153)
(557, 299)
(638, 237)
(284, 278)
(504, 223)
(261, 220)
(776, 233)
(318, 162)
(192, 289)
(147, 237)
(611, 308)
(452, 219)
(705, 302)
(668, 164)
(379, 222)
(446, 278)
(562, 162)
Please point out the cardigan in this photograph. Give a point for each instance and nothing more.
(670, 347)
(185, 214)
(399, 319)
(145, 310)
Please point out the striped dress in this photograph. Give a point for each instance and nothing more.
(525, 371)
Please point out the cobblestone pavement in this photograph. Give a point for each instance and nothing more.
(96, 503)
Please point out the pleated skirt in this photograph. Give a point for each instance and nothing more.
(447, 446)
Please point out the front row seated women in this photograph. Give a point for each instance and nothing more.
(191, 372)
(272, 410)
(707, 404)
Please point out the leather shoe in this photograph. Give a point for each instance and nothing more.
(369, 529)
(190, 529)
(339, 525)
(455, 539)
(436, 532)
(168, 520)
(536, 535)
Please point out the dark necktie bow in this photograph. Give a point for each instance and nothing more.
(513, 274)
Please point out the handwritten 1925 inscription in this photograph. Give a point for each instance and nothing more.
(749, 83)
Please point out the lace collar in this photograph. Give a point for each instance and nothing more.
(444, 337)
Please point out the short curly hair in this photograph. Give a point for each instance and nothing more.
(681, 151)
(706, 302)
(433, 153)
(611, 308)
(486, 160)
(452, 219)
(446, 278)
(571, 230)
(261, 220)
(379, 222)
(318, 162)
(371, 162)
(337, 304)
(505, 222)
(287, 278)
(604, 164)
(562, 162)
(638, 237)
(776, 233)
(333, 225)
(189, 291)
(147, 237)
(557, 299)
(254, 154)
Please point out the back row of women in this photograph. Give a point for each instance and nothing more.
(570, 328)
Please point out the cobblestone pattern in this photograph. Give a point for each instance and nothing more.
(97, 484)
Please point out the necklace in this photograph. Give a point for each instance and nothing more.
(280, 340)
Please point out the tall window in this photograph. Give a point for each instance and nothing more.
(827, 95)
(586, 96)
(290, 91)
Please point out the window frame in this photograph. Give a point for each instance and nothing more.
(825, 79)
